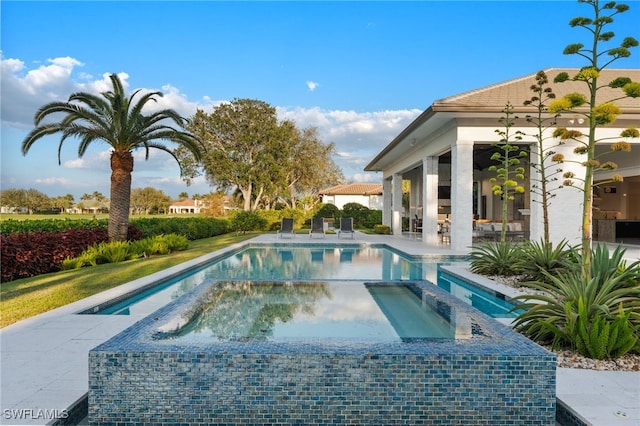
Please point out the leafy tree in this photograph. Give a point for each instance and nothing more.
(35, 200)
(13, 198)
(149, 200)
(215, 204)
(543, 122)
(310, 166)
(96, 196)
(508, 168)
(119, 121)
(62, 202)
(30, 199)
(244, 141)
(262, 158)
(183, 195)
(596, 111)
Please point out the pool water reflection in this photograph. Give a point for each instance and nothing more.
(308, 310)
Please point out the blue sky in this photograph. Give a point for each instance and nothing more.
(358, 71)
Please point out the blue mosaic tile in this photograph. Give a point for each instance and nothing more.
(494, 377)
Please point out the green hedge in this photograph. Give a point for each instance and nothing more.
(10, 226)
(194, 228)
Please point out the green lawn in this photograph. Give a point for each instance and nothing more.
(27, 297)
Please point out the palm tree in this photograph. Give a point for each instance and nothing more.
(118, 121)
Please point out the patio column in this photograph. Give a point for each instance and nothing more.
(461, 195)
(396, 227)
(430, 200)
(386, 202)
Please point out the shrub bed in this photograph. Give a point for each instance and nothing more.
(28, 254)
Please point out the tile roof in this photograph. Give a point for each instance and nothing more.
(354, 189)
(516, 91)
(184, 203)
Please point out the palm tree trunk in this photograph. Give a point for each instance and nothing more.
(121, 168)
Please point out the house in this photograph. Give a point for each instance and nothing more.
(367, 194)
(445, 153)
(187, 206)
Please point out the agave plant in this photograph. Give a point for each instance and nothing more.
(539, 258)
(501, 258)
(567, 307)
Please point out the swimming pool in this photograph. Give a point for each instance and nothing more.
(311, 262)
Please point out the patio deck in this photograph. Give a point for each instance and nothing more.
(44, 367)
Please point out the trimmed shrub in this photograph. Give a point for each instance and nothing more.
(382, 229)
(329, 211)
(243, 222)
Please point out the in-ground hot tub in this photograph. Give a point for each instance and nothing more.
(317, 353)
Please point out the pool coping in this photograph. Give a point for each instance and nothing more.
(44, 358)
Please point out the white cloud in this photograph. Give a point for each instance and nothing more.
(358, 136)
(53, 181)
(95, 161)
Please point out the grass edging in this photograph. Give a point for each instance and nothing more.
(24, 298)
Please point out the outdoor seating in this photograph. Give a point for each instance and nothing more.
(317, 227)
(286, 228)
(346, 227)
(417, 224)
(514, 231)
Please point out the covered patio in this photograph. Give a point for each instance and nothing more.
(445, 155)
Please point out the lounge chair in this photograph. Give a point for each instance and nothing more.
(515, 231)
(317, 227)
(286, 228)
(346, 227)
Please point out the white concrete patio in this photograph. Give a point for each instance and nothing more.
(44, 367)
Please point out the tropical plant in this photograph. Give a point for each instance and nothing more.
(508, 169)
(602, 337)
(541, 259)
(119, 121)
(500, 258)
(597, 112)
(119, 251)
(565, 307)
(543, 175)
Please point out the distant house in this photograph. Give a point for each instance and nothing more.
(367, 194)
(187, 206)
(12, 210)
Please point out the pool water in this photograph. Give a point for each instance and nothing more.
(308, 310)
(320, 263)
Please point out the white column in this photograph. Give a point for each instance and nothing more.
(396, 227)
(536, 222)
(461, 195)
(565, 209)
(386, 202)
(430, 200)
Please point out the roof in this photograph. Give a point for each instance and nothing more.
(516, 91)
(490, 101)
(184, 203)
(354, 189)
